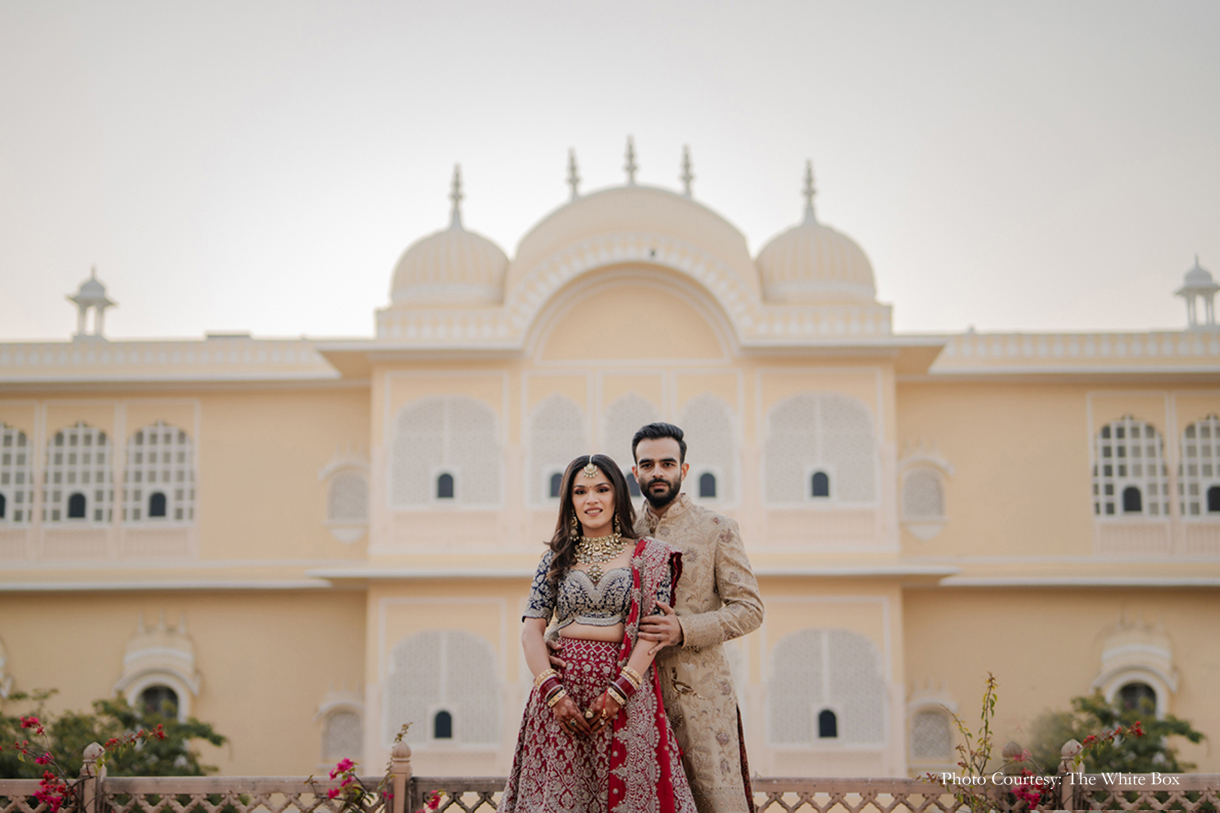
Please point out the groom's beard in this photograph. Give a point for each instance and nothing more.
(661, 491)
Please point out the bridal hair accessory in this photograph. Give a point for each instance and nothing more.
(589, 470)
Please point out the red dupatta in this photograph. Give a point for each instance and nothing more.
(646, 773)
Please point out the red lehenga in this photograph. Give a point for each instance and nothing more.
(631, 766)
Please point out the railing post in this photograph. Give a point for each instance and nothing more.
(92, 774)
(400, 767)
(1068, 789)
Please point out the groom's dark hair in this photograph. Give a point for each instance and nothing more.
(655, 431)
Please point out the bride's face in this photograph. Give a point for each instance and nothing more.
(593, 501)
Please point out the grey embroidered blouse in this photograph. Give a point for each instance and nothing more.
(578, 600)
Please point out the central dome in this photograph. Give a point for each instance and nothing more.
(813, 262)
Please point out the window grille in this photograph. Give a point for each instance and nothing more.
(823, 431)
(1199, 469)
(815, 670)
(923, 495)
(556, 436)
(16, 476)
(711, 437)
(931, 736)
(348, 498)
(160, 461)
(449, 434)
(78, 464)
(342, 736)
(623, 418)
(451, 669)
(1129, 472)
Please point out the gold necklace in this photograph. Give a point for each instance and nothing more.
(594, 550)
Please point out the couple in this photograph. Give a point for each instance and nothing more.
(633, 710)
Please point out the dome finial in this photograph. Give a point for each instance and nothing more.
(687, 176)
(809, 192)
(456, 196)
(630, 166)
(573, 175)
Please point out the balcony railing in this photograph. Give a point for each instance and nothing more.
(235, 794)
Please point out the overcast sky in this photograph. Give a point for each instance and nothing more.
(262, 165)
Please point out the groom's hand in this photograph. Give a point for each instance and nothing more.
(553, 650)
(663, 629)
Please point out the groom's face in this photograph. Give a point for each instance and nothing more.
(659, 470)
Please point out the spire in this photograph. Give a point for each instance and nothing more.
(456, 196)
(573, 175)
(687, 176)
(809, 192)
(630, 166)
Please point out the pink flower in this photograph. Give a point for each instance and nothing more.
(345, 764)
(44, 759)
(332, 793)
(29, 722)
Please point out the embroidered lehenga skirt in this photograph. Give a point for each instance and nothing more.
(631, 766)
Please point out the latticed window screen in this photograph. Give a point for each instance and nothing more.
(16, 476)
(448, 670)
(557, 436)
(624, 416)
(450, 434)
(348, 499)
(821, 431)
(1199, 470)
(711, 444)
(931, 736)
(160, 460)
(818, 669)
(343, 735)
(78, 465)
(922, 495)
(1129, 453)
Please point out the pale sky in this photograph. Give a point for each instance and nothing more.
(261, 165)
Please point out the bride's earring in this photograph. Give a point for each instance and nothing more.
(618, 529)
(575, 526)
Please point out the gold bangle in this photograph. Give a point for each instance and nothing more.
(543, 675)
(633, 676)
(559, 695)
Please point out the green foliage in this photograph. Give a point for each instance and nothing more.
(1091, 717)
(70, 732)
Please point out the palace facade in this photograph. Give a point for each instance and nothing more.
(310, 543)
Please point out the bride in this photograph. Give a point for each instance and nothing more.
(594, 737)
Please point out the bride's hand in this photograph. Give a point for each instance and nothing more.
(604, 708)
(570, 717)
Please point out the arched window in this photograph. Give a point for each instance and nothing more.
(622, 418)
(819, 484)
(348, 498)
(1133, 502)
(1137, 697)
(711, 433)
(707, 486)
(159, 700)
(455, 435)
(442, 726)
(16, 476)
(343, 735)
(443, 669)
(557, 434)
(444, 486)
(828, 725)
(160, 460)
(76, 505)
(1199, 471)
(816, 670)
(1129, 453)
(922, 495)
(931, 736)
(824, 432)
(78, 462)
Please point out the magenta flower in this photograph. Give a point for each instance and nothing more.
(332, 793)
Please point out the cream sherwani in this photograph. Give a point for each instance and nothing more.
(717, 600)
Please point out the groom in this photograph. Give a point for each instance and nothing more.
(717, 600)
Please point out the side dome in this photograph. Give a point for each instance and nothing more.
(814, 262)
(450, 266)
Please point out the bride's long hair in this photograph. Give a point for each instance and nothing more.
(563, 543)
